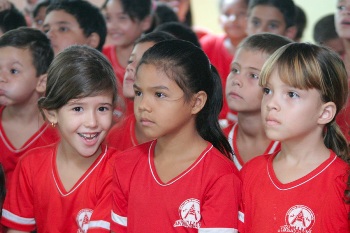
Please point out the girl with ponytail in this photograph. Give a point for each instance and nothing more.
(304, 184)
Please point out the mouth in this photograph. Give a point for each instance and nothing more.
(234, 95)
(272, 121)
(146, 122)
(345, 22)
(89, 136)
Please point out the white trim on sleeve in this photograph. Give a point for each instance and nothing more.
(100, 224)
(217, 230)
(119, 219)
(17, 219)
(241, 216)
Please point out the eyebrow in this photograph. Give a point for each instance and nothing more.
(155, 87)
(59, 23)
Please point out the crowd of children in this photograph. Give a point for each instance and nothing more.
(125, 118)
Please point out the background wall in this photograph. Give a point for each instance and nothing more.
(206, 14)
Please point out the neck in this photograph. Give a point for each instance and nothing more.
(250, 125)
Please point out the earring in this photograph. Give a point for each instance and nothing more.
(53, 125)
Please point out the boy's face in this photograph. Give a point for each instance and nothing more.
(18, 80)
(243, 92)
(38, 21)
(233, 18)
(63, 30)
(342, 18)
(264, 18)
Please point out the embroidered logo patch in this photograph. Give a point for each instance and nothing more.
(299, 219)
(190, 215)
(83, 219)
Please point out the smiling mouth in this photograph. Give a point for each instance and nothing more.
(89, 136)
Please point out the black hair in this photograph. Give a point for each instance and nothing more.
(136, 9)
(163, 13)
(286, 7)
(190, 68)
(11, 18)
(88, 16)
(180, 31)
(300, 22)
(155, 37)
(77, 72)
(38, 6)
(324, 29)
(34, 40)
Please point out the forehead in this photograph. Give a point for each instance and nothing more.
(60, 16)
(13, 54)
(141, 48)
(251, 58)
(267, 12)
(233, 4)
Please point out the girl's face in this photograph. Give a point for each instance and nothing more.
(243, 92)
(121, 29)
(233, 18)
(83, 124)
(342, 19)
(129, 76)
(159, 104)
(289, 113)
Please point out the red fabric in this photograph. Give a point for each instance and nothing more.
(313, 203)
(40, 200)
(10, 155)
(218, 55)
(231, 134)
(205, 195)
(122, 135)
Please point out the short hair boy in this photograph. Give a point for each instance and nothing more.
(74, 22)
(25, 55)
(11, 18)
(273, 16)
(244, 96)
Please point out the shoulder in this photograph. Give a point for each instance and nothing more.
(218, 162)
(108, 50)
(256, 164)
(210, 40)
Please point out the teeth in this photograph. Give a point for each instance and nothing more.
(88, 136)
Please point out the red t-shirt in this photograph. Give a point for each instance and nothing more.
(40, 201)
(122, 135)
(313, 203)
(218, 55)
(9, 155)
(205, 197)
(231, 134)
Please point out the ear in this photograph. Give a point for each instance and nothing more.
(328, 111)
(198, 102)
(41, 84)
(146, 23)
(93, 40)
(51, 116)
(291, 32)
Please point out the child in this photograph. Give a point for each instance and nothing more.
(25, 55)
(324, 34)
(247, 137)
(300, 188)
(220, 49)
(39, 13)
(74, 23)
(11, 18)
(274, 16)
(341, 25)
(65, 187)
(177, 100)
(128, 133)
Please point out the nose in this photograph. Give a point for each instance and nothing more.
(270, 102)
(3, 78)
(234, 79)
(142, 104)
(90, 120)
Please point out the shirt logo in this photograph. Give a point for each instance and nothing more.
(83, 219)
(299, 219)
(190, 215)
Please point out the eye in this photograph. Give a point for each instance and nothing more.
(254, 76)
(234, 70)
(63, 29)
(160, 95)
(341, 8)
(255, 23)
(138, 93)
(103, 109)
(293, 94)
(77, 109)
(266, 91)
(14, 71)
(273, 26)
